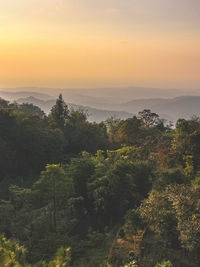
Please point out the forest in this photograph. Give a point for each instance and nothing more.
(111, 194)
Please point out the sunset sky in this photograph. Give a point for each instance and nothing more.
(95, 43)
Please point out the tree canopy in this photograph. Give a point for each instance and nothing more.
(115, 193)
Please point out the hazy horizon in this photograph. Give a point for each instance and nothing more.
(104, 95)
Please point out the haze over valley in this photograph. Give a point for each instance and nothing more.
(122, 103)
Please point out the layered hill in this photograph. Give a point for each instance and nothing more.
(94, 114)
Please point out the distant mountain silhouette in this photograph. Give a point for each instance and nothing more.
(12, 96)
(106, 102)
(170, 108)
(96, 115)
(100, 98)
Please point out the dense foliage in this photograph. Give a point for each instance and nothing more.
(117, 193)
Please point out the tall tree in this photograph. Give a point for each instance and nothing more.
(150, 119)
(59, 113)
(53, 189)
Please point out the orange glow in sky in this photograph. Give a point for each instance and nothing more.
(90, 43)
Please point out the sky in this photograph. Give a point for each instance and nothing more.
(100, 43)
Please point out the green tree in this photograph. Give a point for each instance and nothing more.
(129, 131)
(83, 135)
(53, 188)
(31, 109)
(164, 264)
(62, 258)
(11, 254)
(59, 114)
(112, 125)
(150, 119)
